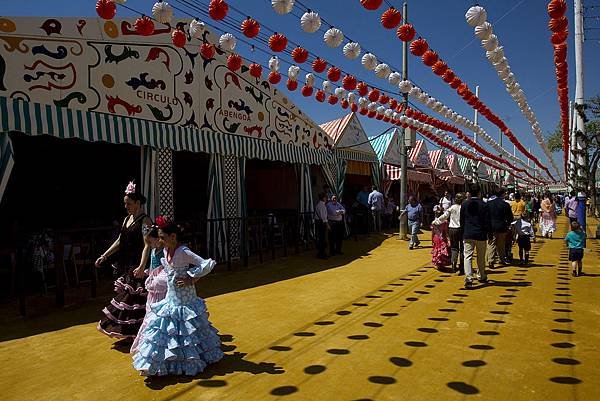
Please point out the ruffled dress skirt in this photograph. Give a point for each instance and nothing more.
(440, 254)
(178, 340)
(156, 285)
(125, 313)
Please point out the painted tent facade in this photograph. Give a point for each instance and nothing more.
(101, 81)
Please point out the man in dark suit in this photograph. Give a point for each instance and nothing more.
(475, 221)
(500, 219)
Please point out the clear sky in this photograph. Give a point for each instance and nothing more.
(521, 26)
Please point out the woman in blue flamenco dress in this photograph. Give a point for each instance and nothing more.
(178, 339)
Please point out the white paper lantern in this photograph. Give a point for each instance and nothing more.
(484, 31)
(414, 92)
(274, 64)
(197, 28)
(369, 61)
(423, 97)
(372, 106)
(388, 113)
(405, 86)
(476, 15)
(340, 92)
(380, 110)
(310, 79)
(293, 72)
(363, 102)
(282, 6)
(403, 119)
(430, 102)
(382, 70)
(395, 115)
(310, 22)
(327, 86)
(227, 42)
(351, 97)
(352, 50)
(333, 37)
(394, 78)
(162, 11)
(491, 43)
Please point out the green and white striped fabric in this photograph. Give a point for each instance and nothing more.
(216, 207)
(376, 174)
(306, 195)
(149, 172)
(42, 119)
(6, 162)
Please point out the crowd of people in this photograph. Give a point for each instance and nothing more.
(488, 227)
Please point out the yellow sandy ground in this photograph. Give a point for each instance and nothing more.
(384, 326)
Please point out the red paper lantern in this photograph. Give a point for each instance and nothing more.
(558, 24)
(274, 77)
(349, 82)
(207, 50)
(291, 85)
(371, 4)
(448, 76)
(384, 99)
(362, 88)
(307, 90)
(406, 32)
(106, 9)
(374, 95)
(300, 55)
(429, 58)
(250, 27)
(455, 83)
(363, 111)
(217, 9)
(409, 113)
(439, 68)
(144, 26)
(557, 8)
(558, 38)
(419, 47)
(320, 96)
(354, 107)
(255, 70)
(371, 114)
(393, 104)
(391, 18)
(234, 62)
(178, 38)
(344, 103)
(334, 74)
(278, 42)
(319, 65)
(561, 50)
(332, 99)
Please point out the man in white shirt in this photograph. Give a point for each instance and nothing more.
(376, 206)
(335, 215)
(446, 201)
(321, 224)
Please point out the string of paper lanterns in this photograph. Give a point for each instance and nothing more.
(483, 30)
(558, 24)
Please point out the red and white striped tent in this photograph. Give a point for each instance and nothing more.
(454, 165)
(439, 163)
(419, 155)
(347, 133)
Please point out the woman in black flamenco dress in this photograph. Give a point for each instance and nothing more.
(125, 313)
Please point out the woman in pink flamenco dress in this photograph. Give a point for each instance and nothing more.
(440, 254)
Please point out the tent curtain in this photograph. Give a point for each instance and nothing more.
(6, 162)
(216, 207)
(306, 201)
(376, 174)
(149, 171)
(335, 175)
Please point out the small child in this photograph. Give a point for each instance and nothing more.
(440, 254)
(524, 233)
(156, 283)
(575, 241)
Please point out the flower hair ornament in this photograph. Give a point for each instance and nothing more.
(161, 221)
(130, 188)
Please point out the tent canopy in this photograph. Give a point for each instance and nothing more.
(349, 138)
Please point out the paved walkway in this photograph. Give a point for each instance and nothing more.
(383, 326)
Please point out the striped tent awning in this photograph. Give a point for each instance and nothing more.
(6, 162)
(349, 154)
(393, 173)
(42, 119)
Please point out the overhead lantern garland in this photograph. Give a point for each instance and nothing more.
(558, 24)
(476, 16)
